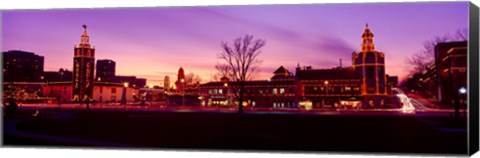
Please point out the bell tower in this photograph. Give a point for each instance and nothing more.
(371, 65)
(83, 67)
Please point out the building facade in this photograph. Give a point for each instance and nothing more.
(330, 88)
(22, 66)
(180, 83)
(105, 70)
(57, 76)
(451, 70)
(83, 68)
(371, 65)
(280, 91)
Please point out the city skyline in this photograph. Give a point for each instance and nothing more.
(164, 39)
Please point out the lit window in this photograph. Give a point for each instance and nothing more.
(220, 91)
(282, 90)
(215, 91)
(347, 88)
(274, 91)
(209, 91)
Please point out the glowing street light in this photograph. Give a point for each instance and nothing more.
(326, 86)
(462, 90)
(124, 93)
(183, 90)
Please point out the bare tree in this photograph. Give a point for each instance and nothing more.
(240, 64)
(426, 56)
(192, 79)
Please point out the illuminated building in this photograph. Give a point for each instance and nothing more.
(330, 88)
(105, 70)
(22, 66)
(166, 83)
(83, 86)
(371, 65)
(180, 83)
(278, 92)
(83, 67)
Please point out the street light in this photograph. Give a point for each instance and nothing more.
(124, 93)
(183, 90)
(151, 93)
(226, 86)
(326, 86)
(462, 90)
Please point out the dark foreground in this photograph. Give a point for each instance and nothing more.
(285, 132)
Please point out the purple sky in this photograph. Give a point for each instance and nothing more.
(154, 42)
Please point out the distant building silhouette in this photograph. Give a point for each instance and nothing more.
(105, 70)
(131, 80)
(180, 83)
(56, 76)
(22, 66)
(166, 83)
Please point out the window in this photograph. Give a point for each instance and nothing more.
(209, 91)
(101, 89)
(274, 91)
(220, 91)
(215, 91)
(347, 88)
(114, 90)
(282, 90)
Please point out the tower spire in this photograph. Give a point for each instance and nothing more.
(367, 40)
(84, 42)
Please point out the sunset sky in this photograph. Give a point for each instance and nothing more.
(154, 42)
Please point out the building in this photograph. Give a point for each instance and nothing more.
(364, 85)
(166, 83)
(131, 80)
(22, 66)
(180, 83)
(58, 76)
(103, 92)
(82, 87)
(330, 88)
(451, 70)
(280, 91)
(83, 67)
(370, 63)
(105, 70)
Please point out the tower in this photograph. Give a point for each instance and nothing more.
(166, 83)
(83, 67)
(371, 65)
(180, 83)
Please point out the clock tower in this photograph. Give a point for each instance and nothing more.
(370, 63)
(83, 67)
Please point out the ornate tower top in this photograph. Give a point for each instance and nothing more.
(181, 73)
(367, 40)
(84, 43)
